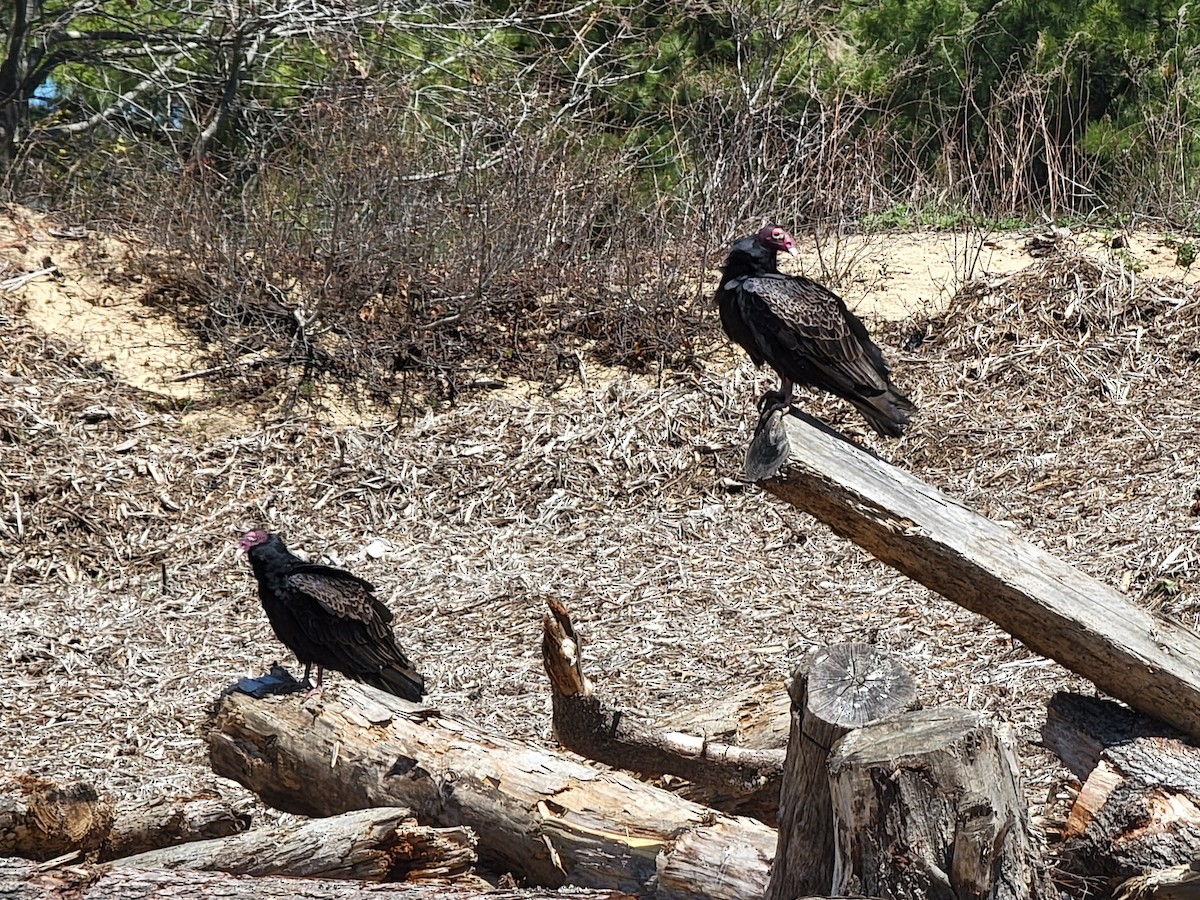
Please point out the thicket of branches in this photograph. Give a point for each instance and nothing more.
(412, 195)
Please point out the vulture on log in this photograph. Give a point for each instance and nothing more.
(329, 618)
(804, 331)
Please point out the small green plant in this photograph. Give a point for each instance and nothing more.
(1185, 254)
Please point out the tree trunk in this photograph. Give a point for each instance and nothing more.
(1139, 808)
(1151, 664)
(21, 880)
(836, 690)
(379, 844)
(43, 820)
(544, 817)
(739, 777)
(142, 825)
(929, 804)
(752, 716)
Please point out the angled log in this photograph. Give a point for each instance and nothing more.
(1053, 608)
(835, 690)
(42, 819)
(740, 779)
(929, 804)
(139, 826)
(546, 818)
(379, 844)
(1079, 729)
(20, 880)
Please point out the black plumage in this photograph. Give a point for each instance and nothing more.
(329, 618)
(804, 331)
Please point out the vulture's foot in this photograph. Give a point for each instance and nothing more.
(769, 448)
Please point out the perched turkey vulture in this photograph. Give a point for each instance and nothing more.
(329, 618)
(803, 331)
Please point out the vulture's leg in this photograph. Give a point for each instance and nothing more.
(785, 390)
(307, 671)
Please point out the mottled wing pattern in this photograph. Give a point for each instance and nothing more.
(340, 593)
(801, 324)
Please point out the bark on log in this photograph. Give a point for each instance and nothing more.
(837, 689)
(1175, 883)
(929, 804)
(1152, 664)
(21, 880)
(42, 820)
(740, 779)
(542, 816)
(379, 844)
(1139, 808)
(142, 825)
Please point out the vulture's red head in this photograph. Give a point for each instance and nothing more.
(777, 239)
(253, 538)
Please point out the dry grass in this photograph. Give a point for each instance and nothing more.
(1062, 399)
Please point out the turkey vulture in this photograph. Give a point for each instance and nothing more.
(803, 331)
(329, 618)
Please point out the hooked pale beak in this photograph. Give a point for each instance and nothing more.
(792, 251)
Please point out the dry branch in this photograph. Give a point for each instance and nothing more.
(1176, 883)
(542, 816)
(1152, 664)
(24, 881)
(743, 778)
(379, 844)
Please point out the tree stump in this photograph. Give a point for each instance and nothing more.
(929, 805)
(835, 690)
(42, 820)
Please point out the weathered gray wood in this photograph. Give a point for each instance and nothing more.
(753, 715)
(543, 816)
(835, 690)
(142, 825)
(20, 880)
(42, 819)
(740, 779)
(929, 804)
(1151, 664)
(378, 844)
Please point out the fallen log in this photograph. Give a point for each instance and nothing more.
(21, 880)
(836, 690)
(379, 844)
(42, 820)
(544, 817)
(741, 779)
(142, 825)
(929, 804)
(1056, 610)
(1139, 808)
(756, 715)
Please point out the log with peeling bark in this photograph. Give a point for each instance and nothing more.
(378, 844)
(1139, 808)
(1152, 664)
(929, 804)
(741, 779)
(542, 816)
(42, 819)
(20, 880)
(836, 690)
(139, 826)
